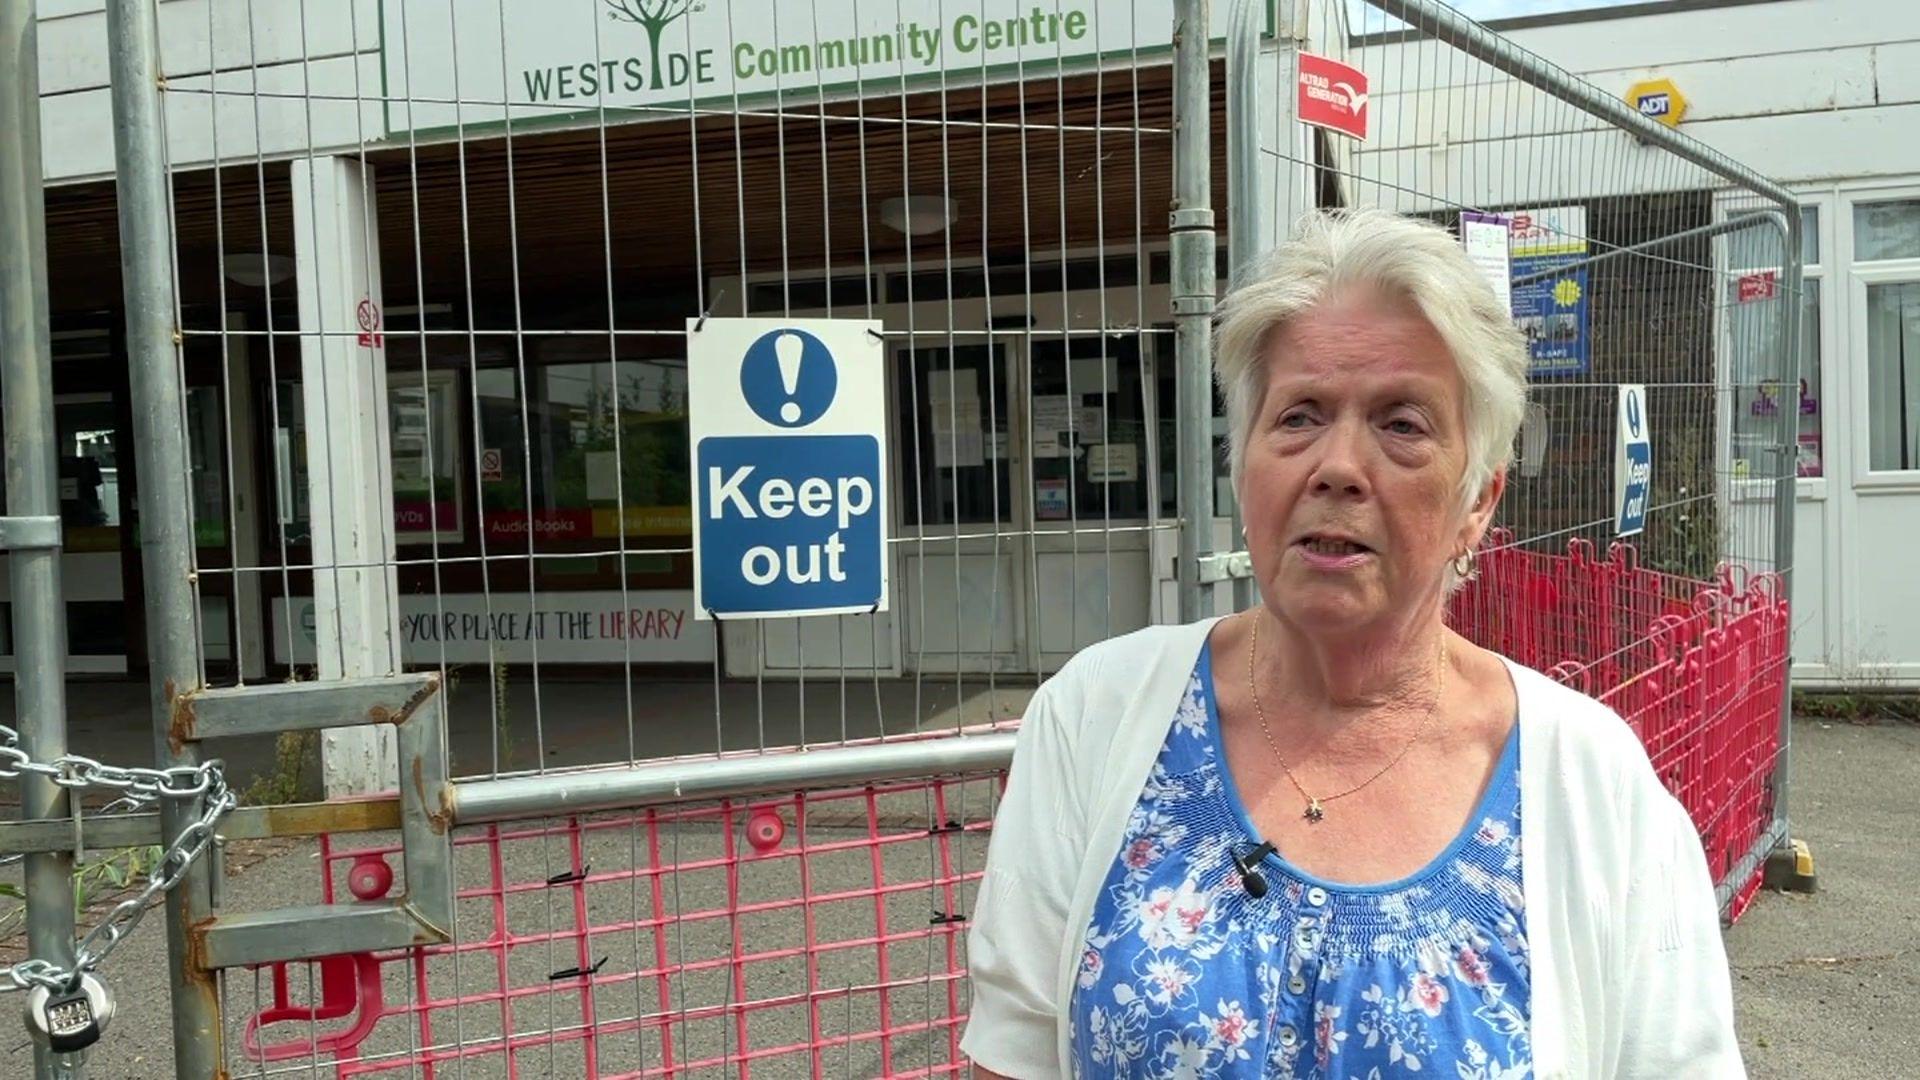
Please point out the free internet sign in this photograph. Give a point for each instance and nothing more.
(788, 423)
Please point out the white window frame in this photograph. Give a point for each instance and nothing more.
(1859, 276)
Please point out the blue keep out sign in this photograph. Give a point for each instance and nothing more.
(788, 427)
(1633, 462)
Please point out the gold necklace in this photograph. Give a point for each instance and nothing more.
(1316, 809)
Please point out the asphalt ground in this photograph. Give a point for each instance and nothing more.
(1823, 983)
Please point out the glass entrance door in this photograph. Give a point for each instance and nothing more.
(961, 505)
(1023, 488)
(1090, 492)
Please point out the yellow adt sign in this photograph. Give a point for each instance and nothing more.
(1658, 99)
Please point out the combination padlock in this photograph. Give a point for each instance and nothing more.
(69, 1021)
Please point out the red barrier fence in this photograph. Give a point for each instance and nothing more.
(1697, 668)
(820, 933)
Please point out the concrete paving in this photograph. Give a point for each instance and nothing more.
(1823, 982)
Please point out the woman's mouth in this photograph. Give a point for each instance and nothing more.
(1334, 546)
(1332, 552)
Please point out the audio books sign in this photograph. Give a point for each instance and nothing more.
(546, 59)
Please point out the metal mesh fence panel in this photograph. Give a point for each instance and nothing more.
(1633, 257)
(450, 278)
(437, 272)
(434, 266)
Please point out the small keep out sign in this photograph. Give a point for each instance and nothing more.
(788, 423)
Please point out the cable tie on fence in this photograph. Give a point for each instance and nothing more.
(705, 315)
(941, 918)
(578, 972)
(950, 826)
(570, 876)
(876, 335)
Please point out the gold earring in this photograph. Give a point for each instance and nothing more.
(1463, 564)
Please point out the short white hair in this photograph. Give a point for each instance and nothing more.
(1400, 256)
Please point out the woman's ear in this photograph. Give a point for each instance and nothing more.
(1480, 514)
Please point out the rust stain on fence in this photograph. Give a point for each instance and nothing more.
(181, 719)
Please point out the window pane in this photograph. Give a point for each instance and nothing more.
(1753, 332)
(94, 627)
(89, 445)
(952, 410)
(1893, 376)
(423, 415)
(206, 450)
(1090, 445)
(1760, 246)
(1887, 230)
(1166, 403)
(600, 442)
(426, 456)
(1810, 455)
(290, 504)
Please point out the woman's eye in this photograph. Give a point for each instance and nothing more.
(1295, 420)
(1403, 426)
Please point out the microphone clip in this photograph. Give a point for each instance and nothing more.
(1247, 866)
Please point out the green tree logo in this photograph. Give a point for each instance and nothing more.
(653, 17)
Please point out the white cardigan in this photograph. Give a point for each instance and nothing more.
(1629, 974)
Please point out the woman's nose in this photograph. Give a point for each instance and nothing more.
(1340, 469)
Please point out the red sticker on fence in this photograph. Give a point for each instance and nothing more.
(1760, 286)
(1333, 95)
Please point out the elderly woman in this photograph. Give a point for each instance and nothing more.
(1329, 837)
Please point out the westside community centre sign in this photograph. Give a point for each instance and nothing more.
(538, 58)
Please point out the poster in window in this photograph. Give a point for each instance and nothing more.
(1807, 459)
(1051, 501)
(1050, 423)
(1547, 253)
(603, 476)
(1117, 463)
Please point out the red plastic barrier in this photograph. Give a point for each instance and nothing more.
(847, 959)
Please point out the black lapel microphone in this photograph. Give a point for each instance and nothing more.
(1250, 877)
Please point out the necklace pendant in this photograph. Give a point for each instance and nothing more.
(1314, 812)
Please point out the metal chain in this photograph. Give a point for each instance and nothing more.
(140, 787)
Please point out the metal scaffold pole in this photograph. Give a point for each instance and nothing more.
(160, 455)
(33, 494)
(1192, 273)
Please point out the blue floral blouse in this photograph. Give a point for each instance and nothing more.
(1183, 974)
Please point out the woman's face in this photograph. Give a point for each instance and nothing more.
(1352, 470)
